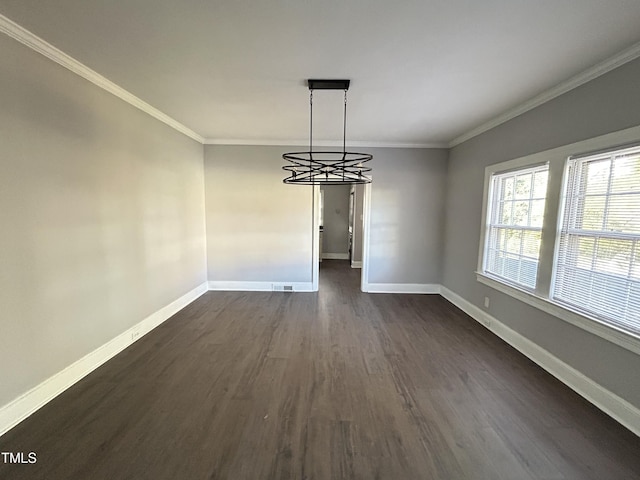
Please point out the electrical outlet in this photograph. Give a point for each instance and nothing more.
(486, 302)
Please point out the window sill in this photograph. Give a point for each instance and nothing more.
(620, 337)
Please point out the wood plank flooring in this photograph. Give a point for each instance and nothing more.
(333, 385)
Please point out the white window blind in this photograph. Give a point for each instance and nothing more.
(515, 214)
(597, 270)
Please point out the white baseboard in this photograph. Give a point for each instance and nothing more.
(616, 407)
(356, 264)
(17, 410)
(401, 288)
(234, 286)
(335, 256)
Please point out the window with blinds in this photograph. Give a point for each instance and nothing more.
(515, 214)
(597, 268)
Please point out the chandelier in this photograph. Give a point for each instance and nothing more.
(325, 167)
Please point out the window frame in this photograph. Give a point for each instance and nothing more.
(540, 297)
(491, 207)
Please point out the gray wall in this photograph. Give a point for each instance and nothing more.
(407, 215)
(336, 219)
(606, 104)
(101, 215)
(258, 228)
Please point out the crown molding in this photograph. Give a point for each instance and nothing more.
(24, 36)
(322, 143)
(625, 56)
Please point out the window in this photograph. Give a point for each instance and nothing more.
(515, 225)
(598, 261)
(561, 232)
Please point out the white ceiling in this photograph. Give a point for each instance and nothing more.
(422, 71)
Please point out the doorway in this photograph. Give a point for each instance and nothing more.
(340, 226)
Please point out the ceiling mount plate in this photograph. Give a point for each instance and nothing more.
(315, 84)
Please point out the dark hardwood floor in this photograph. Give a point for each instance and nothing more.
(333, 385)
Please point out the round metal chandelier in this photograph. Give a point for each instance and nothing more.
(325, 167)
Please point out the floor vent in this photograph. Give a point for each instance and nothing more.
(282, 288)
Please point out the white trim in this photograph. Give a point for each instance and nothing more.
(355, 264)
(335, 256)
(315, 238)
(319, 143)
(26, 404)
(601, 68)
(614, 406)
(605, 331)
(366, 236)
(422, 288)
(24, 36)
(241, 286)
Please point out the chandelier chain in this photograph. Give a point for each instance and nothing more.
(311, 121)
(344, 124)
